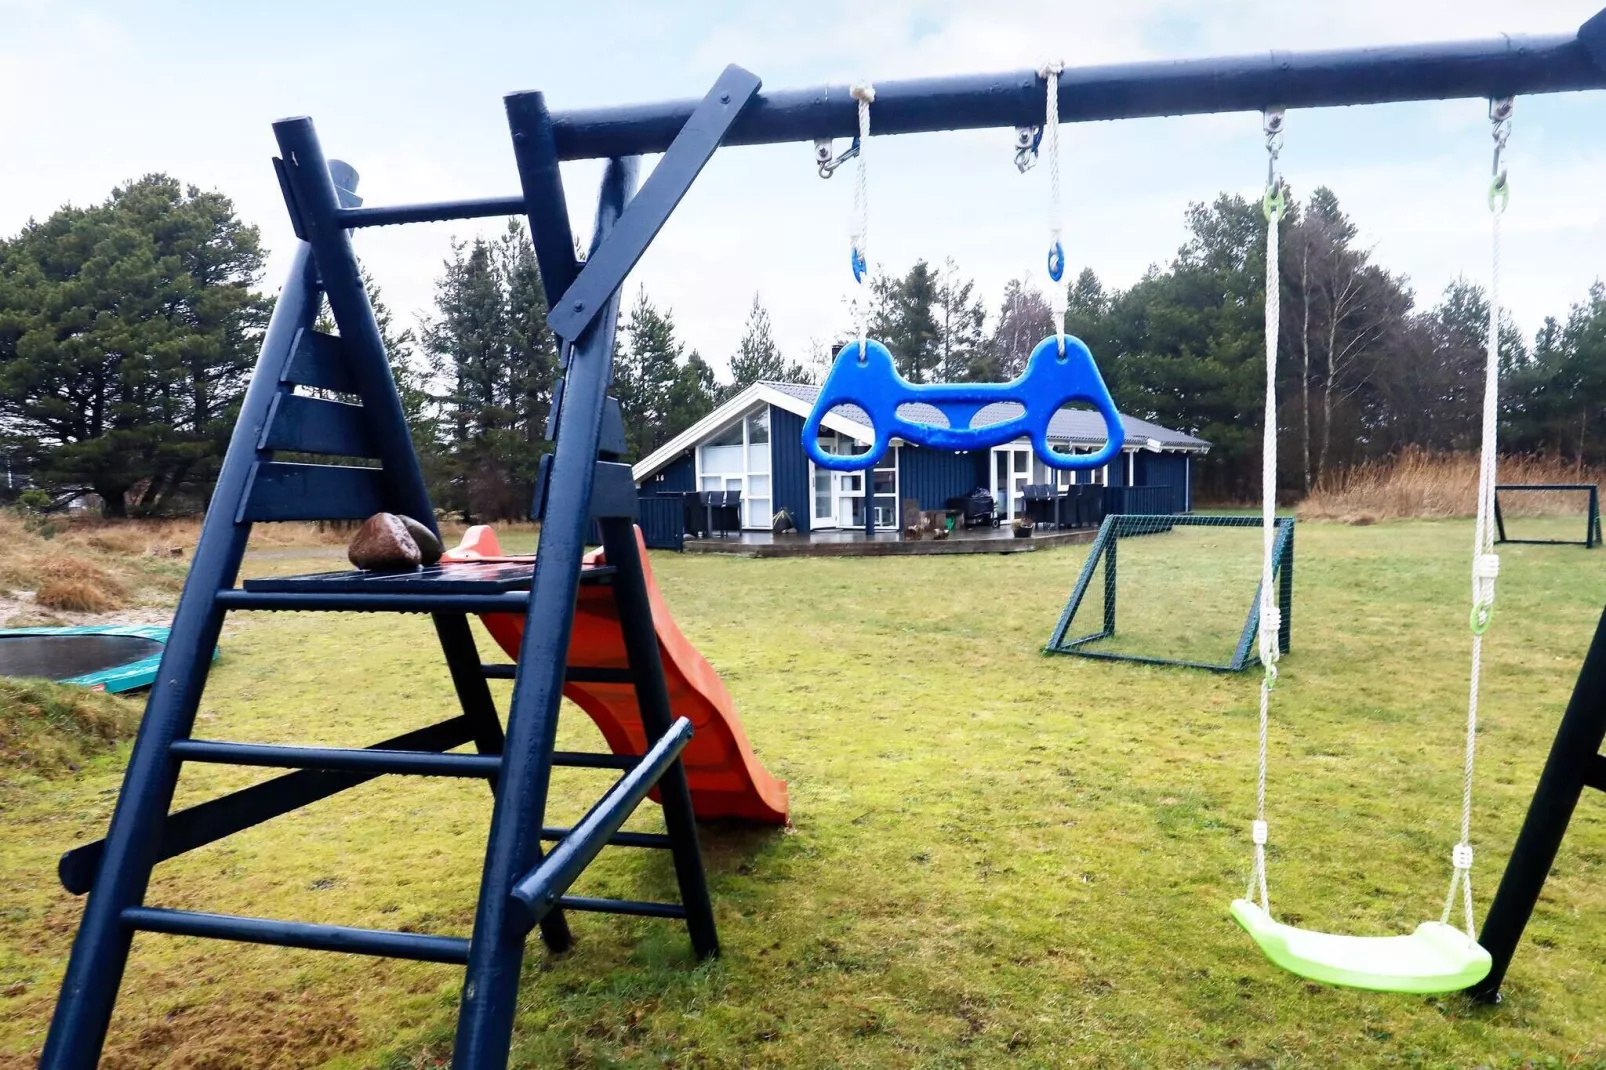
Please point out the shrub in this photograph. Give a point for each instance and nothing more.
(78, 596)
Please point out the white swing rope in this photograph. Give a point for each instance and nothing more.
(1270, 625)
(864, 93)
(1059, 295)
(1485, 563)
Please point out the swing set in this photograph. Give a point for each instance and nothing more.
(1436, 957)
(582, 484)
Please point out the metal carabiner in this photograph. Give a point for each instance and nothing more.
(1272, 123)
(1027, 139)
(827, 163)
(1500, 110)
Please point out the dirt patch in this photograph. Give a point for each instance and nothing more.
(22, 610)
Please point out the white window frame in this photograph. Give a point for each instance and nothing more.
(747, 461)
(867, 493)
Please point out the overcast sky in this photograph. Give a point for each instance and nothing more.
(92, 94)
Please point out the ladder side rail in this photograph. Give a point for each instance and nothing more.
(100, 950)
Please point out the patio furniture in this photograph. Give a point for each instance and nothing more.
(1040, 504)
(724, 511)
(694, 515)
(977, 507)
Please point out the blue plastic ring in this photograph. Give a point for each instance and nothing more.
(857, 260)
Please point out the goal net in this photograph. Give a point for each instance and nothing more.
(1176, 590)
(1549, 513)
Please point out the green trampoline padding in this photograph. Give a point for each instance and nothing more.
(106, 657)
(1435, 958)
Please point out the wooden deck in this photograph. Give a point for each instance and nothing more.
(885, 543)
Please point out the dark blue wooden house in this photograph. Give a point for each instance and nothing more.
(752, 444)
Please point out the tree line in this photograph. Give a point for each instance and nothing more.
(128, 331)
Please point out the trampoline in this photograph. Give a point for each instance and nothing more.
(104, 657)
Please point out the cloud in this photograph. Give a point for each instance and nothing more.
(414, 101)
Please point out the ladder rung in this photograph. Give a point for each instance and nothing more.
(368, 760)
(622, 906)
(1595, 772)
(448, 949)
(317, 360)
(584, 759)
(574, 674)
(315, 425)
(510, 602)
(538, 891)
(282, 490)
(437, 212)
(654, 840)
(592, 674)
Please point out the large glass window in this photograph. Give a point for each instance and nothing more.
(738, 459)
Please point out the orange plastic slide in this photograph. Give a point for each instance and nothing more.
(726, 778)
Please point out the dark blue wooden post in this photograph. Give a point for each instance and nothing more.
(317, 210)
(1575, 763)
(490, 989)
(652, 702)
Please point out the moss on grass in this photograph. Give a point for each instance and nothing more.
(47, 729)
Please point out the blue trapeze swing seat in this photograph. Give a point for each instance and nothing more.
(1050, 381)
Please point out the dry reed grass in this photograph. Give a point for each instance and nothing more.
(1420, 485)
(78, 596)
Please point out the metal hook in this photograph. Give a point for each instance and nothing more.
(1500, 109)
(1027, 139)
(823, 148)
(1272, 123)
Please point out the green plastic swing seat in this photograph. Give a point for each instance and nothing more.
(1435, 958)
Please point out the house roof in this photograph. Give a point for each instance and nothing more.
(1076, 426)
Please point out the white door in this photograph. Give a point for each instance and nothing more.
(824, 510)
(1012, 470)
(849, 499)
(838, 499)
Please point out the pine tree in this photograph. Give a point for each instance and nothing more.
(490, 344)
(903, 317)
(127, 333)
(758, 357)
(532, 353)
(960, 316)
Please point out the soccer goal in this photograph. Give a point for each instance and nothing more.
(1176, 590)
(1547, 513)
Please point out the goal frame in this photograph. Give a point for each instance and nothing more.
(1130, 525)
(1591, 537)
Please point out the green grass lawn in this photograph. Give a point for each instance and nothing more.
(998, 858)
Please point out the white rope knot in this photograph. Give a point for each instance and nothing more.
(1485, 570)
(1271, 622)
